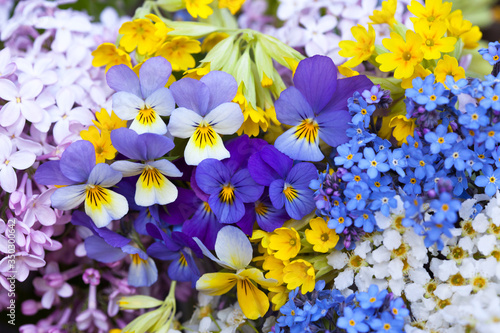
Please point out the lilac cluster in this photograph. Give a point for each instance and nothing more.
(329, 311)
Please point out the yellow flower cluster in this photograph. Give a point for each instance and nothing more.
(286, 257)
(148, 37)
(100, 134)
(437, 34)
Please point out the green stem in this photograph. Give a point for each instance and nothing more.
(253, 327)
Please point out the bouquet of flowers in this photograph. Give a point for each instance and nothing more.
(222, 166)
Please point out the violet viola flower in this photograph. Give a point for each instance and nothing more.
(316, 108)
(86, 182)
(152, 187)
(228, 191)
(177, 247)
(205, 111)
(288, 183)
(108, 246)
(142, 98)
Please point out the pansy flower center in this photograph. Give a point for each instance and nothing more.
(261, 209)
(290, 193)
(226, 194)
(308, 129)
(146, 116)
(96, 195)
(204, 135)
(150, 176)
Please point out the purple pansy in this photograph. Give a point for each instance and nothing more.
(316, 108)
(145, 98)
(228, 190)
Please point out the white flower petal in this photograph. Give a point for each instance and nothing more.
(68, 197)
(225, 118)
(114, 208)
(233, 247)
(128, 168)
(126, 105)
(8, 179)
(183, 123)
(154, 190)
(22, 160)
(194, 154)
(8, 90)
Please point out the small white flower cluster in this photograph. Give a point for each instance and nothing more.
(208, 317)
(447, 291)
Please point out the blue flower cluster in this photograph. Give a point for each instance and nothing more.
(328, 311)
(452, 154)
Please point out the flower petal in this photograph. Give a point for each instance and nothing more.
(191, 94)
(126, 105)
(292, 107)
(122, 78)
(333, 127)
(154, 74)
(225, 118)
(233, 247)
(167, 168)
(222, 87)
(78, 160)
(193, 154)
(102, 174)
(152, 187)
(106, 207)
(298, 148)
(69, 197)
(161, 101)
(127, 168)
(183, 122)
(216, 283)
(157, 125)
(253, 302)
(125, 141)
(101, 251)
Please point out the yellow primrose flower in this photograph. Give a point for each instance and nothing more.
(420, 71)
(471, 38)
(346, 71)
(104, 149)
(106, 122)
(292, 63)
(434, 11)
(278, 296)
(161, 28)
(402, 128)
(234, 252)
(211, 40)
(361, 49)
(300, 273)
(275, 267)
(459, 27)
(198, 72)
(140, 34)
(107, 54)
(232, 5)
(320, 236)
(178, 52)
(448, 66)
(254, 121)
(270, 113)
(286, 242)
(199, 8)
(386, 15)
(403, 56)
(434, 42)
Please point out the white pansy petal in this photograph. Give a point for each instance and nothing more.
(209, 254)
(161, 101)
(128, 168)
(31, 89)
(156, 125)
(183, 122)
(194, 154)
(233, 247)
(167, 168)
(154, 188)
(8, 90)
(126, 105)
(226, 118)
(68, 197)
(8, 179)
(22, 160)
(105, 206)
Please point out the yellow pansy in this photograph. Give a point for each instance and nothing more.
(402, 128)
(106, 122)
(234, 252)
(448, 66)
(140, 34)
(386, 15)
(107, 54)
(320, 236)
(403, 55)
(199, 8)
(433, 11)
(178, 52)
(361, 49)
(286, 242)
(300, 273)
(434, 40)
(232, 5)
(104, 149)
